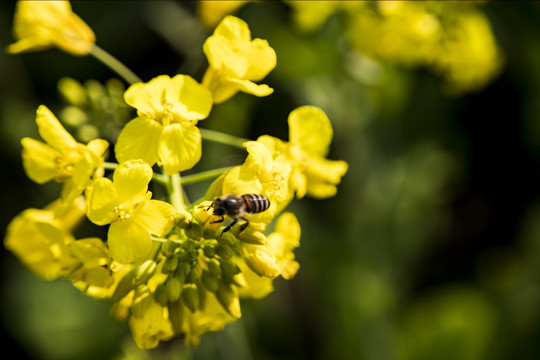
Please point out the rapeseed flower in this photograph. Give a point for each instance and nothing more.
(126, 204)
(263, 172)
(265, 262)
(39, 25)
(236, 61)
(165, 130)
(310, 135)
(61, 158)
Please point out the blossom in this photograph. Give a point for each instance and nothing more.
(310, 135)
(165, 130)
(264, 173)
(236, 61)
(212, 11)
(262, 263)
(40, 25)
(126, 204)
(61, 158)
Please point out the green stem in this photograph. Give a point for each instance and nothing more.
(176, 196)
(219, 137)
(205, 175)
(109, 165)
(115, 65)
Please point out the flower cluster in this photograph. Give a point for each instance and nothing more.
(454, 39)
(169, 266)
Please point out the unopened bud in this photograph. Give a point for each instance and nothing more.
(262, 263)
(209, 250)
(213, 267)
(210, 281)
(252, 237)
(190, 296)
(173, 288)
(224, 252)
(169, 265)
(228, 298)
(145, 272)
(182, 219)
(169, 247)
(194, 231)
(160, 295)
(176, 315)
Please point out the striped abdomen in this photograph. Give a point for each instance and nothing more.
(255, 203)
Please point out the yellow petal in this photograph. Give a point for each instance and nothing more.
(179, 147)
(85, 168)
(261, 156)
(102, 199)
(139, 140)
(39, 161)
(310, 127)
(147, 97)
(189, 99)
(251, 88)
(53, 132)
(42, 24)
(128, 241)
(261, 59)
(241, 180)
(234, 29)
(157, 217)
(131, 180)
(211, 12)
(225, 57)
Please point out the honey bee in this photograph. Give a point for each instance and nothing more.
(237, 206)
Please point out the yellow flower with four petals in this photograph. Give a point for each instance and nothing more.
(165, 130)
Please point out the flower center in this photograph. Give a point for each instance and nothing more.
(122, 213)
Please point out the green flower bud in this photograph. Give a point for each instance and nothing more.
(169, 265)
(176, 315)
(224, 252)
(227, 239)
(183, 219)
(160, 295)
(169, 247)
(194, 231)
(209, 250)
(228, 298)
(190, 296)
(174, 287)
(72, 91)
(210, 281)
(125, 285)
(213, 267)
(145, 271)
(252, 237)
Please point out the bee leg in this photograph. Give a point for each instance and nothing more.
(244, 225)
(221, 219)
(229, 227)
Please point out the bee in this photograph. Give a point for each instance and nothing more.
(237, 206)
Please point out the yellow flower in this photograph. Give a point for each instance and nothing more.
(149, 322)
(125, 204)
(41, 239)
(165, 130)
(310, 135)
(265, 262)
(40, 25)
(236, 61)
(264, 173)
(61, 158)
(211, 317)
(212, 11)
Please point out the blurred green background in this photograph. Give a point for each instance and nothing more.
(431, 248)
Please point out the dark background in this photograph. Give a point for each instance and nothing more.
(430, 250)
